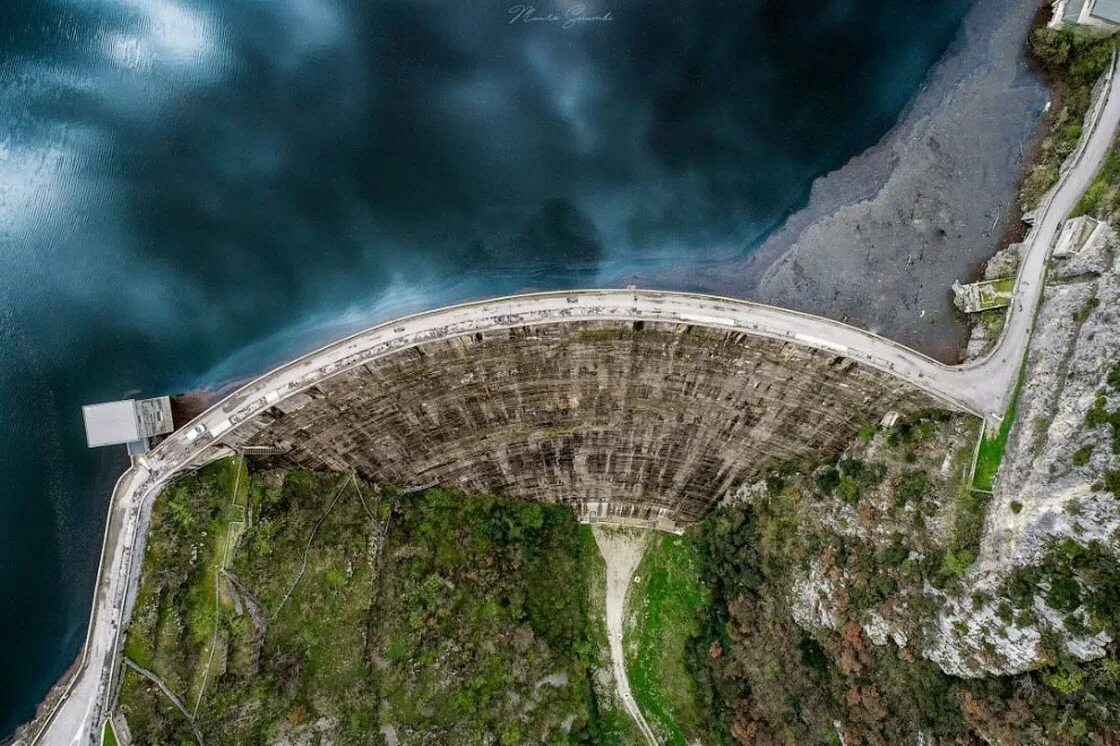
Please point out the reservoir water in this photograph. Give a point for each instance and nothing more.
(192, 190)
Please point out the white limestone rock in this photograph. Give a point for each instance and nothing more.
(814, 598)
(1040, 495)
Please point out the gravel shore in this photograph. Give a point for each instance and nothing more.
(882, 238)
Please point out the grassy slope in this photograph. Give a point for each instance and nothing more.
(668, 602)
(466, 621)
(1073, 61)
(483, 629)
(174, 619)
(990, 457)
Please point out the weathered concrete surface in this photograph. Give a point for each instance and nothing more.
(634, 419)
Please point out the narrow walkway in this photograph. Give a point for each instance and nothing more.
(229, 540)
(307, 548)
(622, 550)
(167, 692)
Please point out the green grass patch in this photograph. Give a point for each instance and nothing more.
(176, 598)
(668, 605)
(108, 735)
(990, 456)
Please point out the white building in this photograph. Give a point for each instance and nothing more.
(130, 421)
(1104, 14)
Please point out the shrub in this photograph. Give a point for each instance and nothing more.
(849, 491)
(1066, 682)
(828, 480)
(865, 475)
(1091, 200)
(1051, 46)
(1064, 594)
(1082, 455)
(913, 487)
(1097, 414)
(1113, 378)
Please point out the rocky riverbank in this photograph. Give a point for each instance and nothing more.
(883, 238)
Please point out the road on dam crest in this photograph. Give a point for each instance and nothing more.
(982, 386)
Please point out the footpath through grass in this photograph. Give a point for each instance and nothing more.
(668, 602)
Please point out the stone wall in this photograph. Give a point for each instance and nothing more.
(638, 421)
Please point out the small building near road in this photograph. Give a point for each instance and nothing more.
(131, 422)
(1103, 14)
(984, 295)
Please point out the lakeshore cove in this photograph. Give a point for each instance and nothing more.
(193, 191)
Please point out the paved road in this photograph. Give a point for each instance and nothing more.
(982, 387)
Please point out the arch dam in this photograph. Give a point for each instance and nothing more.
(631, 406)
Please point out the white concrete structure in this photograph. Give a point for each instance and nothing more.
(982, 386)
(1103, 14)
(128, 421)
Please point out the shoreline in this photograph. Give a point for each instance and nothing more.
(933, 199)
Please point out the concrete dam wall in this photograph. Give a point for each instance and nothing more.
(649, 421)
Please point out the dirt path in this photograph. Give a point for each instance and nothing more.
(150, 676)
(622, 551)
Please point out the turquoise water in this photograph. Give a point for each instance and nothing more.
(191, 191)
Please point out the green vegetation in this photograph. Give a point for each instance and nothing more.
(1103, 195)
(996, 293)
(990, 455)
(668, 603)
(1099, 416)
(305, 606)
(185, 547)
(485, 619)
(964, 543)
(1082, 455)
(108, 735)
(779, 681)
(1073, 61)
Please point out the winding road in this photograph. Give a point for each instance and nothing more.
(982, 386)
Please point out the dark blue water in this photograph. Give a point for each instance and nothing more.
(191, 191)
